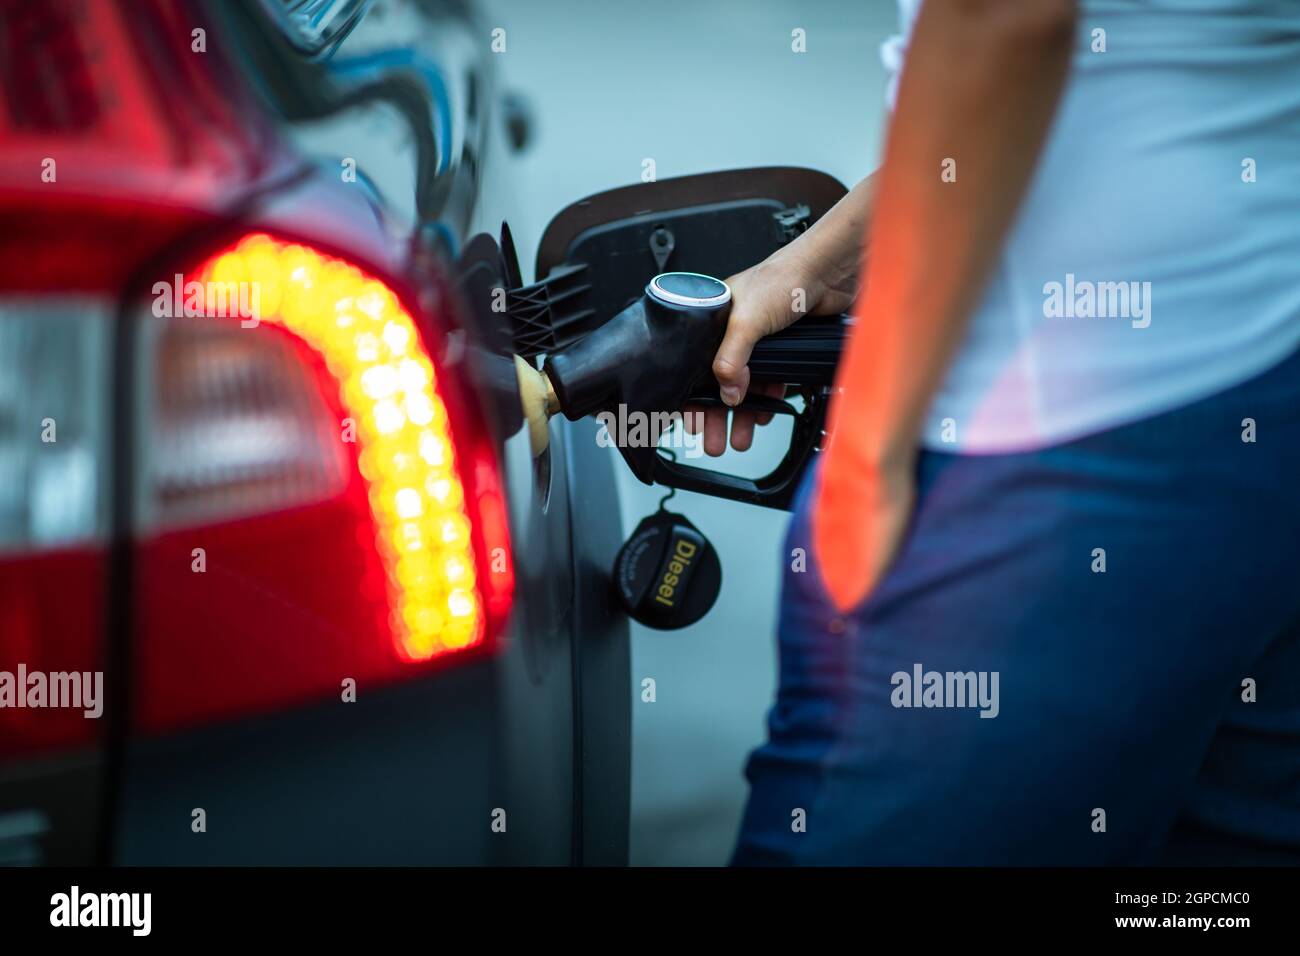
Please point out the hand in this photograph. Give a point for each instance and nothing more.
(766, 298)
(859, 517)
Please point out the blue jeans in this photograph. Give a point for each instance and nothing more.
(1145, 713)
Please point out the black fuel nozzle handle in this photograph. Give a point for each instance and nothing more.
(655, 357)
(777, 488)
(647, 359)
(806, 353)
(803, 357)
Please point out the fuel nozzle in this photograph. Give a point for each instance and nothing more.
(654, 358)
(648, 358)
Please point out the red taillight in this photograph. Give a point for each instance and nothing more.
(51, 635)
(492, 532)
(54, 516)
(116, 143)
(315, 506)
(95, 179)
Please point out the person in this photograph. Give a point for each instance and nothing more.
(1049, 612)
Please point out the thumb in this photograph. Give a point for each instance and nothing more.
(731, 364)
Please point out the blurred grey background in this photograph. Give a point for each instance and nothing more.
(698, 86)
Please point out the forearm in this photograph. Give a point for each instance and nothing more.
(976, 99)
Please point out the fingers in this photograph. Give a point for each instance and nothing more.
(731, 368)
(742, 430)
(731, 364)
(769, 390)
(743, 422)
(753, 317)
(715, 431)
(713, 422)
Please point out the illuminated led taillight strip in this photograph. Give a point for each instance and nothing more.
(388, 386)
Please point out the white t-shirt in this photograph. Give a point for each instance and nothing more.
(1156, 256)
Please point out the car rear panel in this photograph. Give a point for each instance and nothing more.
(263, 704)
(91, 184)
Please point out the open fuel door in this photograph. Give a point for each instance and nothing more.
(597, 256)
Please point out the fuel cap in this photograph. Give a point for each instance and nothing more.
(667, 575)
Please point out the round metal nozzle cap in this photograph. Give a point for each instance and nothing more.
(690, 289)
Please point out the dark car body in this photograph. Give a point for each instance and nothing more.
(221, 118)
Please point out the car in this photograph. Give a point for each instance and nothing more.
(267, 502)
